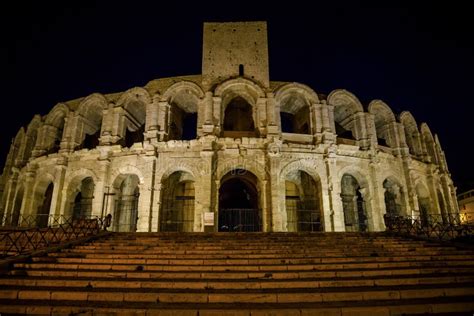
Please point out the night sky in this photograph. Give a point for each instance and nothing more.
(416, 57)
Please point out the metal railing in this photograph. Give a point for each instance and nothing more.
(24, 239)
(441, 227)
(239, 220)
(305, 221)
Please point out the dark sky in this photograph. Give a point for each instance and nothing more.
(414, 56)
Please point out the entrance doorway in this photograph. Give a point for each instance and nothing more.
(238, 203)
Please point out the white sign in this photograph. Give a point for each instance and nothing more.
(208, 219)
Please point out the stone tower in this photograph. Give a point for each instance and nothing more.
(235, 49)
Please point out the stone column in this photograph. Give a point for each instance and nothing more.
(151, 121)
(163, 120)
(207, 108)
(335, 218)
(261, 116)
(217, 114)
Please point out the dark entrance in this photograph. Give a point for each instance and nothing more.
(238, 203)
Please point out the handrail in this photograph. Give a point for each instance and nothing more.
(433, 226)
(20, 240)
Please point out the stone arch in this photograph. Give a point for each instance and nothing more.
(346, 105)
(177, 202)
(424, 202)
(239, 106)
(429, 142)
(183, 98)
(295, 100)
(29, 141)
(126, 189)
(128, 169)
(394, 196)
(134, 103)
(412, 135)
(13, 154)
(81, 182)
(383, 119)
(42, 198)
(240, 202)
(355, 198)
(53, 128)
(90, 113)
(252, 166)
(302, 188)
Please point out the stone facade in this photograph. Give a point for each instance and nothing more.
(257, 154)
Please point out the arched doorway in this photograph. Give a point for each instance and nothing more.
(126, 204)
(238, 203)
(303, 203)
(393, 197)
(423, 204)
(355, 216)
(177, 203)
(82, 204)
(238, 117)
(42, 216)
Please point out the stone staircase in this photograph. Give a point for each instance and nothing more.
(244, 274)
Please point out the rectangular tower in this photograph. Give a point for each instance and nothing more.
(235, 49)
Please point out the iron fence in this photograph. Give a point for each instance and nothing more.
(305, 220)
(239, 220)
(24, 239)
(448, 226)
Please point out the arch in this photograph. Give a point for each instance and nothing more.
(429, 142)
(177, 202)
(90, 112)
(128, 169)
(346, 105)
(239, 202)
(353, 204)
(183, 97)
(238, 116)
(255, 167)
(29, 140)
(295, 100)
(383, 117)
(393, 197)
(79, 193)
(303, 202)
(53, 128)
(42, 197)
(56, 116)
(125, 209)
(424, 202)
(412, 134)
(241, 86)
(134, 103)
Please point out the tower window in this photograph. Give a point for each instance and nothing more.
(241, 70)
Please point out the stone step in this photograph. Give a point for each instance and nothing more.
(242, 275)
(323, 281)
(247, 296)
(390, 307)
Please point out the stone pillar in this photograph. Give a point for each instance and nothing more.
(29, 194)
(273, 115)
(329, 126)
(151, 121)
(207, 108)
(335, 218)
(203, 188)
(266, 208)
(60, 173)
(261, 116)
(316, 121)
(217, 113)
(163, 120)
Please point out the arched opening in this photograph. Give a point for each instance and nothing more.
(442, 207)
(294, 114)
(424, 206)
(393, 197)
(91, 141)
(127, 195)
(353, 204)
(238, 203)
(82, 204)
(238, 116)
(303, 203)
(132, 137)
(42, 215)
(177, 203)
(383, 119)
(182, 124)
(15, 219)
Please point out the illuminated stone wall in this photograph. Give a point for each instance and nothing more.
(128, 145)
